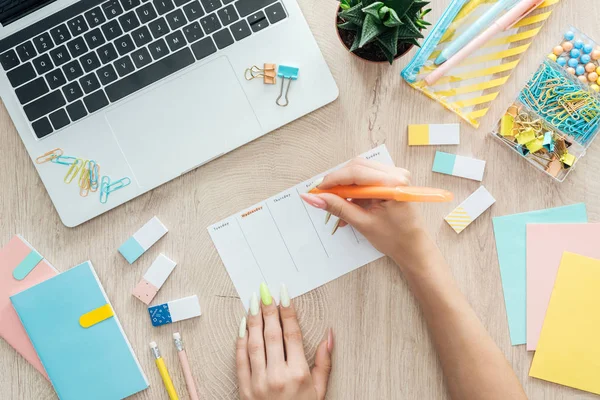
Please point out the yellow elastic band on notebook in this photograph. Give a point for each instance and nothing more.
(95, 316)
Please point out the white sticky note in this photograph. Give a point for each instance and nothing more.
(470, 209)
(433, 134)
(463, 167)
(150, 233)
(160, 270)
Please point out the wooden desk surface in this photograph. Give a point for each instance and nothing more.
(383, 350)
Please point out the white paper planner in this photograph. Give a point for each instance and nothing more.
(285, 240)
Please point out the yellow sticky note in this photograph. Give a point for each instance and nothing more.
(418, 135)
(568, 352)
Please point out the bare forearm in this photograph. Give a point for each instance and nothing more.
(473, 365)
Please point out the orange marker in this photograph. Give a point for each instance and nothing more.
(398, 193)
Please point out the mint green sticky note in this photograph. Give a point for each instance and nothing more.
(511, 234)
(444, 163)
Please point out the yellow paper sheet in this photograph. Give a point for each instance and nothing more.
(568, 351)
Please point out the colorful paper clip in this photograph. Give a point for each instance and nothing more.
(267, 73)
(49, 156)
(94, 176)
(289, 73)
(64, 160)
(104, 183)
(120, 184)
(73, 170)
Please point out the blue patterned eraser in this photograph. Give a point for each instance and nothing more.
(160, 315)
(176, 310)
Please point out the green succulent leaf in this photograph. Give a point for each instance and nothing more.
(390, 19)
(389, 41)
(388, 55)
(371, 29)
(355, 45)
(349, 26)
(367, 3)
(353, 14)
(410, 25)
(400, 6)
(373, 9)
(416, 8)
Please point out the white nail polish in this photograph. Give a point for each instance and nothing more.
(242, 332)
(327, 217)
(284, 297)
(315, 184)
(336, 226)
(254, 304)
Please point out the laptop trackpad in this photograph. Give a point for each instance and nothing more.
(183, 123)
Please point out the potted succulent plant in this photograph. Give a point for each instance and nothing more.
(381, 30)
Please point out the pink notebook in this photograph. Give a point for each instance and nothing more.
(21, 267)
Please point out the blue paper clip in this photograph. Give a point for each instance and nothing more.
(104, 184)
(94, 175)
(64, 160)
(289, 73)
(120, 184)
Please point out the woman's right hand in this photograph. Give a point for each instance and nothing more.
(394, 228)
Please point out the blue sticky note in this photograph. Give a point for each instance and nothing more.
(95, 363)
(131, 250)
(444, 163)
(510, 232)
(27, 265)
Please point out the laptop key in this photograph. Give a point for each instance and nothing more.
(43, 42)
(130, 4)
(193, 32)
(223, 38)
(124, 45)
(76, 110)
(129, 21)
(95, 101)
(77, 47)
(77, 25)
(275, 13)
(211, 5)
(158, 28)
(175, 40)
(72, 91)
(107, 53)
(141, 57)
(179, 3)
(59, 119)
(260, 25)
(60, 55)
(176, 19)
(163, 6)
(107, 74)
(42, 64)
(55, 78)
(204, 48)
(158, 49)
(112, 9)
(227, 1)
(193, 11)
(9, 60)
(146, 13)
(141, 36)
(94, 38)
(254, 18)
(241, 30)
(72, 70)
(150, 74)
(247, 7)
(228, 15)
(44, 105)
(124, 66)
(94, 17)
(90, 61)
(210, 23)
(20, 75)
(26, 51)
(32, 90)
(89, 83)
(111, 30)
(42, 127)
(60, 34)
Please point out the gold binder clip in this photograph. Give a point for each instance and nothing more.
(267, 73)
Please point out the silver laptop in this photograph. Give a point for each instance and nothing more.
(149, 90)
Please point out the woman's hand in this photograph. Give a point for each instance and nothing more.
(394, 228)
(270, 358)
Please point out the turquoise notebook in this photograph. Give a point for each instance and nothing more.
(78, 338)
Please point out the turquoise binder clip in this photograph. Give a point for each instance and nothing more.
(286, 73)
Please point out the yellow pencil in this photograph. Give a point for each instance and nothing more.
(164, 373)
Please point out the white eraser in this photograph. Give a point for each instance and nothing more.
(176, 310)
(142, 240)
(154, 278)
(463, 167)
(470, 209)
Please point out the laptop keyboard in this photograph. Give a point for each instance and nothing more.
(93, 53)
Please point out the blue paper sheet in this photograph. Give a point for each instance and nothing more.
(511, 235)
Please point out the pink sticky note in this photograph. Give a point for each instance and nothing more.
(546, 244)
(11, 257)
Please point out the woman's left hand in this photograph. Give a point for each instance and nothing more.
(270, 358)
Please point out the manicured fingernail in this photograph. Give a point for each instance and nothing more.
(265, 294)
(314, 201)
(315, 184)
(254, 304)
(242, 332)
(335, 227)
(330, 341)
(284, 297)
(327, 217)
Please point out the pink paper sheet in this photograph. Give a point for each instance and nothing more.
(546, 244)
(11, 329)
